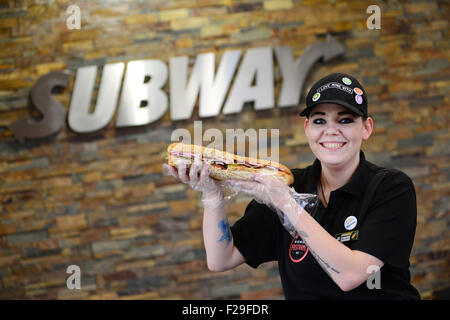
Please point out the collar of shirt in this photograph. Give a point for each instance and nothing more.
(355, 186)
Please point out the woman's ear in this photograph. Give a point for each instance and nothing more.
(305, 124)
(368, 128)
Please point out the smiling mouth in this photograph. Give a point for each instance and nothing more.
(333, 146)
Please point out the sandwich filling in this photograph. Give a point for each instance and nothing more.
(225, 164)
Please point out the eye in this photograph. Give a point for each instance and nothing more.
(346, 120)
(319, 121)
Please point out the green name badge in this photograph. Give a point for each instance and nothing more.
(347, 236)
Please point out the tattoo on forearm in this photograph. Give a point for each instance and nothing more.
(320, 263)
(325, 265)
(224, 227)
(303, 234)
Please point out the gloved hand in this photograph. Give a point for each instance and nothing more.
(268, 190)
(265, 189)
(284, 200)
(199, 180)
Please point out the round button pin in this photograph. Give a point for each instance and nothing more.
(347, 81)
(358, 99)
(316, 96)
(358, 91)
(350, 222)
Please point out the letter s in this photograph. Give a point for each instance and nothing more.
(54, 114)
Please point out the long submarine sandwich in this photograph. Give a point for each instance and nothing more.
(226, 165)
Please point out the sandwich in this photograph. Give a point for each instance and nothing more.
(226, 165)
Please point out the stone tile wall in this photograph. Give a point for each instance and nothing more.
(100, 201)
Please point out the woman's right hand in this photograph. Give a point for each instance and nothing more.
(198, 178)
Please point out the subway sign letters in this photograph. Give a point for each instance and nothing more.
(141, 100)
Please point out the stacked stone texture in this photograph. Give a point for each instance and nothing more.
(100, 201)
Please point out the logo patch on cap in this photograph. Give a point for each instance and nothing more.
(358, 99)
(316, 96)
(335, 85)
(358, 91)
(347, 81)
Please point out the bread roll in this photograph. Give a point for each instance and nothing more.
(226, 165)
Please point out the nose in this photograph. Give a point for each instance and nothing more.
(331, 129)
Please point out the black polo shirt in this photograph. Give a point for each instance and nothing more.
(386, 232)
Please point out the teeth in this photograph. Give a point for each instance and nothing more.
(333, 145)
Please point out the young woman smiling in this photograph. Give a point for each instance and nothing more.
(359, 226)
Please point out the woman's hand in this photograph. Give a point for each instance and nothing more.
(265, 189)
(198, 178)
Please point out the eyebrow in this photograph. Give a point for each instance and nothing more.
(339, 113)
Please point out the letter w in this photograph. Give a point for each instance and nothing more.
(212, 88)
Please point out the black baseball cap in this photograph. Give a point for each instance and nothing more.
(338, 88)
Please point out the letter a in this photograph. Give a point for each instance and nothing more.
(374, 21)
(74, 281)
(374, 280)
(74, 19)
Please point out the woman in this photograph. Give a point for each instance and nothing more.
(339, 249)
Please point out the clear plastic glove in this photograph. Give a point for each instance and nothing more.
(199, 180)
(275, 194)
(265, 189)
